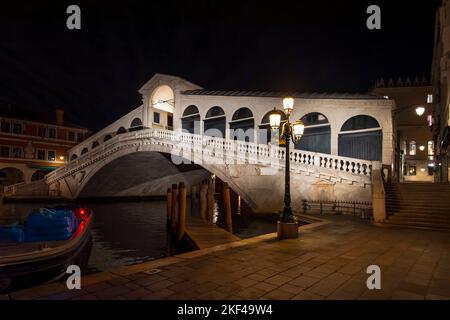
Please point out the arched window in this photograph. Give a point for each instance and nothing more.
(317, 134)
(121, 130)
(85, 150)
(73, 157)
(190, 121)
(190, 111)
(242, 125)
(95, 144)
(361, 137)
(215, 122)
(107, 137)
(266, 134)
(412, 148)
(136, 124)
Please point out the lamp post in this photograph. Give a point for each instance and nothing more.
(287, 227)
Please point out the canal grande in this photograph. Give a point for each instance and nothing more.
(130, 232)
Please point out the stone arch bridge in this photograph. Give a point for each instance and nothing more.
(254, 171)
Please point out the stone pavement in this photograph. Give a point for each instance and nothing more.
(328, 261)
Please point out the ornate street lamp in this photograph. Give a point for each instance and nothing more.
(287, 224)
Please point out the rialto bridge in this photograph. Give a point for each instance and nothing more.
(347, 138)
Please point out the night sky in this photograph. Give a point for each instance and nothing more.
(307, 46)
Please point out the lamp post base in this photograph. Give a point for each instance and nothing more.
(287, 230)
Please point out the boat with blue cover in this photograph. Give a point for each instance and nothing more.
(41, 250)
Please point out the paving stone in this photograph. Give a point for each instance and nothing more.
(304, 295)
(278, 294)
(278, 280)
(326, 286)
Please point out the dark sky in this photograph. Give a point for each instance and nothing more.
(274, 45)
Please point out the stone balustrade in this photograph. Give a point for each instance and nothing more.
(181, 143)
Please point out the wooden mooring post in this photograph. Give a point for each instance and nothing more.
(203, 200)
(211, 200)
(193, 198)
(174, 211)
(182, 211)
(227, 207)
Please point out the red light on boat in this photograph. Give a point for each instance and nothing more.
(82, 212)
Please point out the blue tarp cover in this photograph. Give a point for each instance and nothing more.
(50, 224)
(11, 234)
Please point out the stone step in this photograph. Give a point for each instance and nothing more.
(417, 226)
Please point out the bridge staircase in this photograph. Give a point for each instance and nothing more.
(418, 205)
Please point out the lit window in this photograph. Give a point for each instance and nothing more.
(412, 170)
(430, 148)
(429, 98)
(40, 154)
(17, 152)
(412, 148)
(404, 146)
(51, 155)
(430, 120)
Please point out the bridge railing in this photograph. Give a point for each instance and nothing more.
(220, 147)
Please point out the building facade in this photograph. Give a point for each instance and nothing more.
(441, 85)
(414, 157)
(31, 145)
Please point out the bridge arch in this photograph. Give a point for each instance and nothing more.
(11, 175)
(242, 125)
(266, 134)
(73, 157)
(121, 130)
(95, 144)
(211, 168)
(136, 124)
(190, 119)
(214, 123)
(317, 135)
(361, 137)
(85, 150)
(107, 137)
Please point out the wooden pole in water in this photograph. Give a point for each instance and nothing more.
(193, 199)
(169, 206)
(227, 207)
(203, 201)
(211, 201)
(182, 213)
(174, 214)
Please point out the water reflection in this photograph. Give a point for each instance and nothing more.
(123, 232)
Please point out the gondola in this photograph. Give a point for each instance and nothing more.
(32, 260)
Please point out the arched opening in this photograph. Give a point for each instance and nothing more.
(266, 134)
(136, 124)
(317, 134)
(39, 175)
(73, 157)
(215, 122)
(10, 175)
(190, 120)
(121, 130)
(85, 150)
(242, 125)
(95, 144)
(107, 137)
(361, 137)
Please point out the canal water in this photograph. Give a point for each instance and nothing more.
(126, 233)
